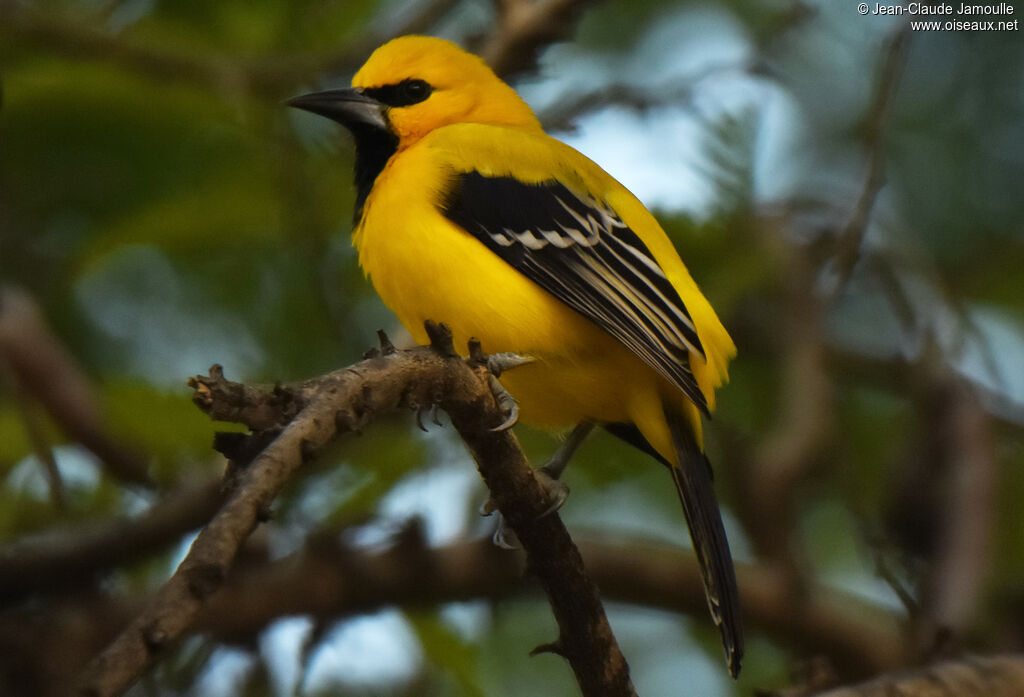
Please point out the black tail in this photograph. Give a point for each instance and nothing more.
(693, 482)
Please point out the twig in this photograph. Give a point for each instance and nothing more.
(851, 237)
(347, 400)
(562, 115)
(30, 418)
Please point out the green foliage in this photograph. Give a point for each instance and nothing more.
(164, 425)
(449, 652)
(13, 435)
(880, 424)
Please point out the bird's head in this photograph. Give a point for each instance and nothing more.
(413, 85)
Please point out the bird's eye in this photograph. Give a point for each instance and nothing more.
(415, 90)
(404, 93)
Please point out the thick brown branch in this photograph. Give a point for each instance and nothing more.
(329, 580)
(347, 400)
(858, 639)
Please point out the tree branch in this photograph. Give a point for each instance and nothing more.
(337, 581)
(851, 237)
(988, 676)
(341, 402)
(965, 554)
(329, 580)
(524, 28)
(60, 559)
(47, 373)
(270, 77)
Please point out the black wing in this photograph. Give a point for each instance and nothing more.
(580, 251)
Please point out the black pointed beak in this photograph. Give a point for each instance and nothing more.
(346, 106)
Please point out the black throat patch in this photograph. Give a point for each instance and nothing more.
(374, 147)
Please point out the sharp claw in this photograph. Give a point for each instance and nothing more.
(504, 537)
(433, 416)
(506, 402)
(557, 490)
(488, 507)
(419, 419)
(513, 418)
(556, 503)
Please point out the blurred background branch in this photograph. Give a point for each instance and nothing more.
(996, 676)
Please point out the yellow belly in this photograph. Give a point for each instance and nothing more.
(478, 295)
(579, 371)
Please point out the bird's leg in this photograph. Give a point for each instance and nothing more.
(558, 462)
(552, 471)
(549, 477)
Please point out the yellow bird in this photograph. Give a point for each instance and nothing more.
(468, 213)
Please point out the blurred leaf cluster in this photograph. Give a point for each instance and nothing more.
(167, 212)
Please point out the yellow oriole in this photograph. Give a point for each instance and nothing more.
(469, 214)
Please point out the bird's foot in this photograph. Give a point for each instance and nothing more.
(504, 536)
(497, 364)
(555, 493)
(506, 402)
(433, 410)
(555, 490)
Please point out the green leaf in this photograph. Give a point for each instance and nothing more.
(448, 651)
